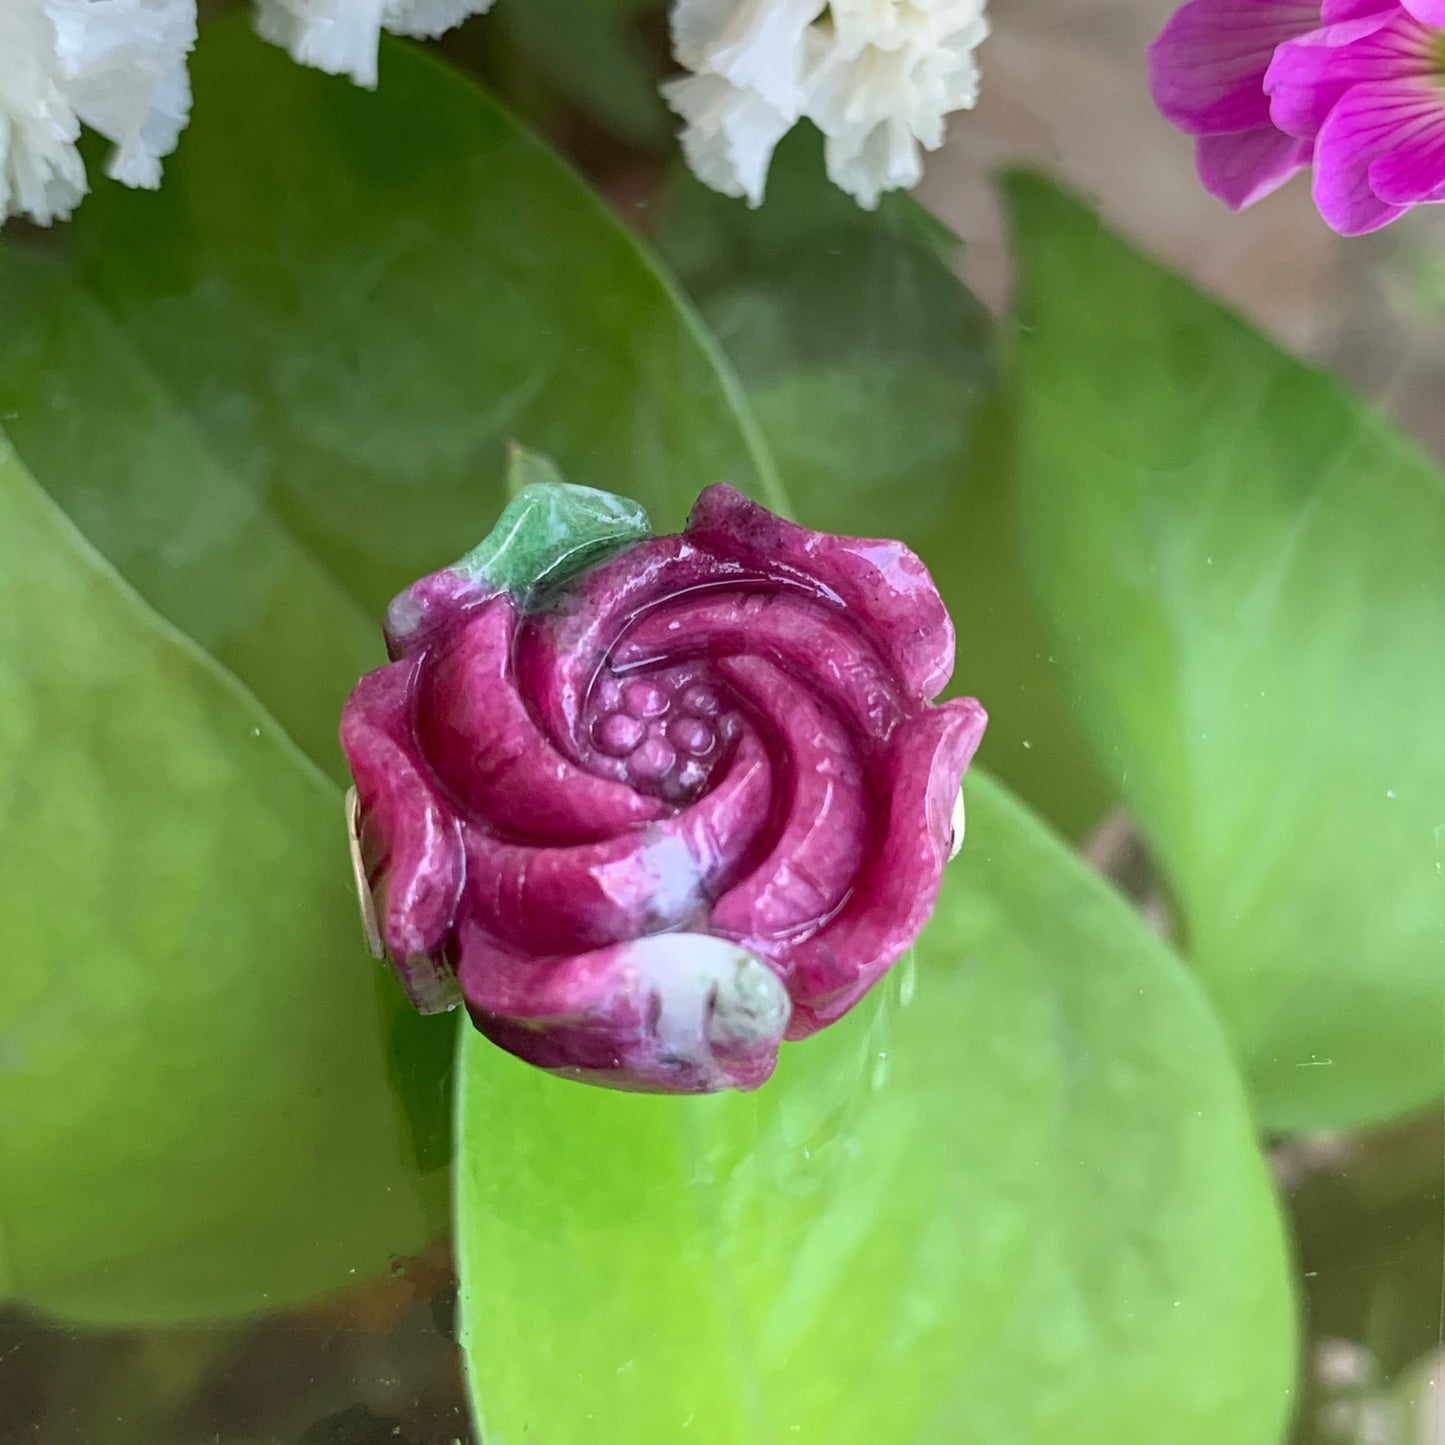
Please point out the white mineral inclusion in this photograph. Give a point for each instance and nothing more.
(712, 994)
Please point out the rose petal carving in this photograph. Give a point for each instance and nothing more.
(654, 820)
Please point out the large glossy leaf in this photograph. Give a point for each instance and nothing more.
(195, 1108)
(870, 369)
(1014, 1198)
(136, 474)
(605, 66)
(1244, 567)
(361, 298)
(270, 395)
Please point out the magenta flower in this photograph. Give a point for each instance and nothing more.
(1368, 90)
(1206, 73)
(1356, 87)
(654, 815)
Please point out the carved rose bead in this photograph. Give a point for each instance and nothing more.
(652, 819)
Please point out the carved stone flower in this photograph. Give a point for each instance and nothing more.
(650, 805)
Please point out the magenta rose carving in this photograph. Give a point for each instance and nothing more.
(652, 821)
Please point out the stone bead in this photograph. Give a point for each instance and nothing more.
(643, 698)
(618, 734)
(691, 735)
(652, 760)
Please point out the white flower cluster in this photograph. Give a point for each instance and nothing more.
(877, 77)
(341, 36)
(118, 66)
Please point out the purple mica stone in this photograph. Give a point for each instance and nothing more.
(697, 803)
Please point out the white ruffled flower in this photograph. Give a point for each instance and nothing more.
(877, 77)
(341, 36)
(747, 88)
(118, 66)
(730, 133)
(886, 74)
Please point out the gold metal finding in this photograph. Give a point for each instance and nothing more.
(369, 926)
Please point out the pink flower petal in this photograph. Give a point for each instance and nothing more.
(800, 632)
(1427, 12)
(1249, 165)
(1308, 76)
(411, 843)
(1369, 122)
(880, 580)
(1412, 171)
(894, 893)
(549, 900)
(1206, 69)
(1334, 11)
(678, 1013)
(484, 743)
(824, 796)
(559, 652)
(431, 604)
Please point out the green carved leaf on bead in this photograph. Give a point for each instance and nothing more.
(551, 530)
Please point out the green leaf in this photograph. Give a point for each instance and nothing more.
(1242, 565)
(604, 67)
(1022, 1206)
(102, 433)
(550, 530)
(358, 325)
(870, 369)
(195, 1115)
(270, 396)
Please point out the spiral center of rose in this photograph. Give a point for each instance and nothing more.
(664, 731)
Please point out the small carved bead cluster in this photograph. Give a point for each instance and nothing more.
(665, 730)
